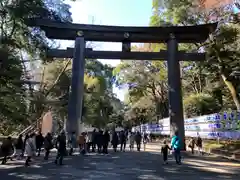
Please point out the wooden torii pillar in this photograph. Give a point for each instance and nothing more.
(126, 35)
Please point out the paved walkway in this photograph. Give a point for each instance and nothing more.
(123, 166)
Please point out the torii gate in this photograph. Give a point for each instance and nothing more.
(126, 35)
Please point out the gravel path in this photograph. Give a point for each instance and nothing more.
(123, 166)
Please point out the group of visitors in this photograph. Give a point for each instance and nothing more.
(99, 141)
(96, 141)
(175, 148)
(198, 143)
(32, 145)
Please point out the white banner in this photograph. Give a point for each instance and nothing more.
(224, 125)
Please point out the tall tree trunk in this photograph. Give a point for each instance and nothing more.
(158, 109)
(232, 90)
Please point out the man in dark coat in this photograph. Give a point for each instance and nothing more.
(114, 141)
(123, 140)
(19, 146)
(61, 148)
(93, 139)
(6, 149)
(138, 139)
(100, 141)
(48, 145)
(39, 142)
(106, 139)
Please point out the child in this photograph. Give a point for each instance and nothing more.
(164, 151)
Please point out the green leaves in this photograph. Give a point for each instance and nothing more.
(147, 87)
(18, 43)
(200, 104)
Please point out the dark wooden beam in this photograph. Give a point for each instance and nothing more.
(69, 31)
(126, 55)
(26, 82)
(62, 53)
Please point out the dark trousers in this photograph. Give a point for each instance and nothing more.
(192, 150)
(165, 157)
(99, 148)
(59, 157)
(105, 148)
(88, 146)
(39, 150)
(71, 151)
(138, 146)
(123, 145)
(177, 156)
(47, 152)
(23, 150)
(4, 161)
(28, 160)
(93, 144)
(115, 147)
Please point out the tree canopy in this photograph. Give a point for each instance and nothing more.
(209, 86)
(18, 44)
(32, 84)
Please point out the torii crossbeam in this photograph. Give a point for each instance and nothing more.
(83, 32)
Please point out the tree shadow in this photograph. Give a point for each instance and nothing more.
(127, 165)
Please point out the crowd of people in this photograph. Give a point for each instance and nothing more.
(97, 141)
(88, 142)
(32, 145)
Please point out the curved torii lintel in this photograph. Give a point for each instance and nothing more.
(69, 31)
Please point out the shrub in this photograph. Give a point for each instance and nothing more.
(200, 104)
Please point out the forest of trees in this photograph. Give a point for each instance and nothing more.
(31, 84)
(208, 87)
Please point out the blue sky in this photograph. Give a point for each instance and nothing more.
(110, 12)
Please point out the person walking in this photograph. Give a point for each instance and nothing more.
(131, 141)
(30, 149)
(114, 140)
(176, 147)
(82, 143)
(93, 139)
(88, 141)
(19, 146)
(100, 141)
(39, 142)
(145, 141)
(123, 139)
(106, 139)
(6, 149)
(61, 148)
(48, 145)
(138, 139)
(24, 143)
(192, 145)
(72, 142)
(164, 151)
(199, 145)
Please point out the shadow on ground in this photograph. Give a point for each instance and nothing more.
(126, 166)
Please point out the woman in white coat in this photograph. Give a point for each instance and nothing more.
(30, 148)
